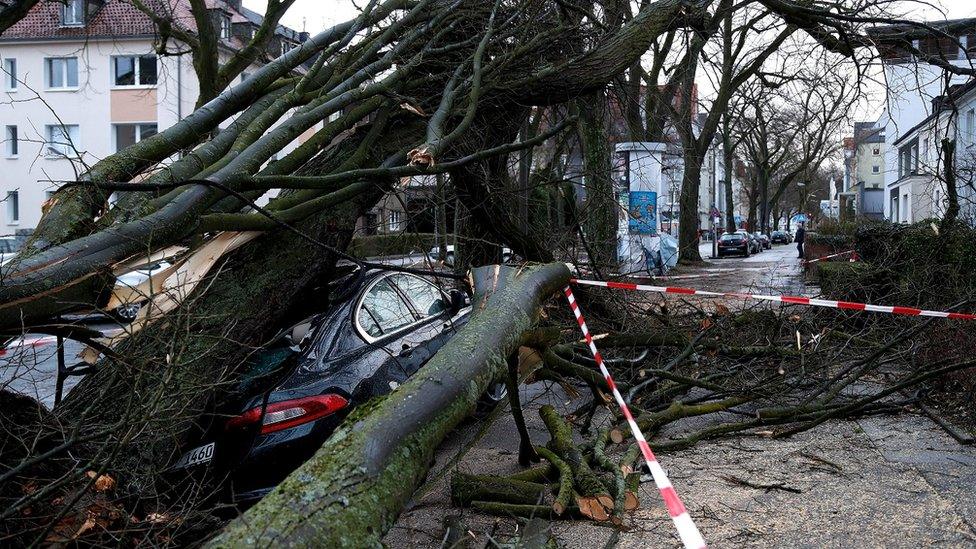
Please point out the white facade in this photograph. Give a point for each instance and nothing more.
(911, 88)
(95, 110)
(80, 81)
(919, 190)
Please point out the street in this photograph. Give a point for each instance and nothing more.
(773, 270)
(30, 365)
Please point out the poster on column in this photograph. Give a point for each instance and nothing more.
(643, 212)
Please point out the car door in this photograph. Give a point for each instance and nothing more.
(432, 307)
(383, 318)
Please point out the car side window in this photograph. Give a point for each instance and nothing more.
(427, 298)
(383, 310)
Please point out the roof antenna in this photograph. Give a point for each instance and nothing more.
(304, 19)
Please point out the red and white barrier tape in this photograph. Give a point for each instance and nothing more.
(793, 300)
(687, 530)
(27, 342)
(854, 257)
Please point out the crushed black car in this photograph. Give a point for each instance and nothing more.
(378, 333)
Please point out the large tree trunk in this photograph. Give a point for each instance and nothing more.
(601, 207)
(352, 490)
(729, 161)
(688, 224)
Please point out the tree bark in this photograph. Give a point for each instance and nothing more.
(351, 491)
(601, 207)
(688, 224)
(728, 159)
(949, 175)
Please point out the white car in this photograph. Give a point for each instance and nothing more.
(127, 312)
(8, 248)
(435, 252)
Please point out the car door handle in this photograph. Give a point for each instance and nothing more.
(406, 350)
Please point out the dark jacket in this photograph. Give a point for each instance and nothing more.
(800, 234)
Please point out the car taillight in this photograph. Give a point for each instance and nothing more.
(289, 413)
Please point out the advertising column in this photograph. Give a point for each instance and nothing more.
(639, 245)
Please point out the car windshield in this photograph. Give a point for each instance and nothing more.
(728, 237)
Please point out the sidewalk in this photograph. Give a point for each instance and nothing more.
(876, 482)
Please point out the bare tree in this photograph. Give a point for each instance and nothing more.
(216, 65)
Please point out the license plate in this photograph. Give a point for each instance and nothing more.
(196, 456)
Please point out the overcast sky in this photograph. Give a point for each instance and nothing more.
(314, 15)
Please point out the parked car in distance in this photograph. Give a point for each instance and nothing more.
(9, 246)
(754, 245)
(378, 329)
(434, 253)
(764, 240)
(781, 237)
(734, 244)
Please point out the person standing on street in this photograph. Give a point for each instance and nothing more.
(800, 235)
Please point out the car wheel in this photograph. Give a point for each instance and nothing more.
(495, 394)
(128, 312)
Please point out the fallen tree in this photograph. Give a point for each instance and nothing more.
(352, 490)
(409, 88)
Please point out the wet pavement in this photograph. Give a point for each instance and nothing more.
(29, 365)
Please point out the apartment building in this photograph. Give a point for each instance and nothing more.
(913, 91)
(919, 192)
(81, 80)
(864, 169)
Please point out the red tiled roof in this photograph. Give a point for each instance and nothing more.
(115, 19)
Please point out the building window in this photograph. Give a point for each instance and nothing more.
(13, 145)
(130, 134)
(73, 13)
(904, 208)
(135, 70)
(13, 207)
(875, 169)
(10, 74)
(62, 141)
(970, 125)
(224, 22)
(286, 47)
(908, 159)
(394, 220)
(62, 73)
